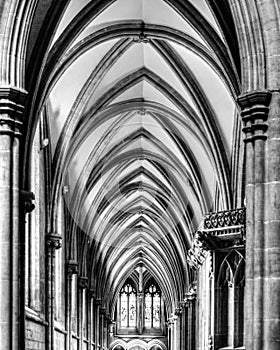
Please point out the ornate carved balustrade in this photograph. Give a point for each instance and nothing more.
(221, 230)
(224, 229)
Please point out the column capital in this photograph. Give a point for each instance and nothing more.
(53, 241)
(72, 267)
(82, 282)
(26, 198)
(12, 105)
(254, 112)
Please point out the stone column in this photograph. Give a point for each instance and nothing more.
(26, 203)
(254, 113)
(169, 330)
(102, 325)
(53, 242)
(179, 330)
(173, 320)
(189, 301)
(11, 109)
(171, 333)
(97, 324)
(211, 308)
(271, 300)
(71, 269)
(112, 331)
(94, 310)
(140, 300)
(108, 322)
(82, 284)
(184, 326)
(91, 295)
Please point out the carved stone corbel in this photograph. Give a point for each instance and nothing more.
(72, 267)
(26, 198)
(53, 242)
(82, 282)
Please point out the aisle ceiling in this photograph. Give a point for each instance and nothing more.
(140, 104)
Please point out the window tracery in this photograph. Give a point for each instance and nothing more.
(152, 306)
(128, 306)
(140, 312)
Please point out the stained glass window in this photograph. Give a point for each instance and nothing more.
(152, 307)
(156, 311)
(128, 306)
(124, 301)
(149, 303)
(132, 310)
(148, 308)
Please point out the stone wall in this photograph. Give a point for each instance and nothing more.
(35, 336)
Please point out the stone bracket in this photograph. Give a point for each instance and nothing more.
(72, 267)
(82, 282)
(53, 241)
(26, 198)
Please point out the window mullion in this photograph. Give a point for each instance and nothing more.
(152, 311)
(128, 311)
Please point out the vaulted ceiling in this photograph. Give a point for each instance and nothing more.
(139, 98)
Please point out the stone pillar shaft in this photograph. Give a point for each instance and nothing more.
(11, 109)
(53, 242)
(189, 312)
(102, 327)
(90, 317)
(140, 306)
(82, 284)
(71, 268)
(271, 314)
(260, 210)
(97, 324)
